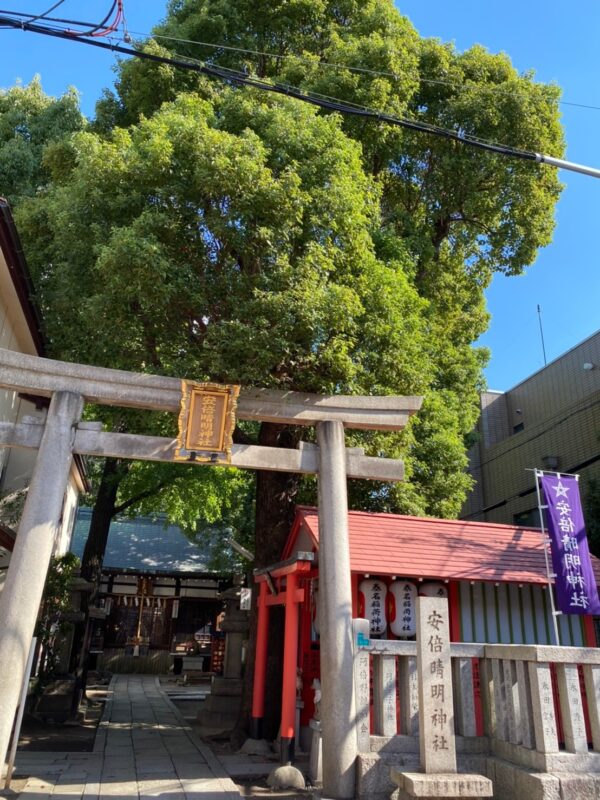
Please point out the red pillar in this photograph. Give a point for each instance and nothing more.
(590, 633)
(454, 609)
(290, 665)
(260, 665)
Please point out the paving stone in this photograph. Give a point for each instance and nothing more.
(119, 761)
(121, 774)
(68, 789)
(27, 795)
(143, 750)
(38, 786)
(155, 788)
(194, 772)
(118, 789)
(171, 794)
(47, 768)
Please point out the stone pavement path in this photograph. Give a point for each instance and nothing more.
(144, 749)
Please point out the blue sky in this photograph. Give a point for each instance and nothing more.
(538, 35)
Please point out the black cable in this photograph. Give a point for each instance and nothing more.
(243, 80)
(92, 31)
(45, 14)
(32, 18)
(92, 27)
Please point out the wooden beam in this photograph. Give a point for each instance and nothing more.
(158, 448)
(44, 376)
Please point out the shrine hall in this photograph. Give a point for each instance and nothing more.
(494, 577)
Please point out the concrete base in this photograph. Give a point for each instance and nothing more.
(56, 700)
(373, 780)
(441, 785)
(221, 708)
(513, 783)
(510, 781)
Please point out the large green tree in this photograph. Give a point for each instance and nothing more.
(219, 233)
(452, 214)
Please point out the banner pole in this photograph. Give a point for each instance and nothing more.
(545, 543)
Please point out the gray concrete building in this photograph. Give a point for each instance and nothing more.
(549, 421)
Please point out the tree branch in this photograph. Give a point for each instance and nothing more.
(141, 496)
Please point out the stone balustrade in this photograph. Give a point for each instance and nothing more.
(533, 705)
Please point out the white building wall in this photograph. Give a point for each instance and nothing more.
(14, 335)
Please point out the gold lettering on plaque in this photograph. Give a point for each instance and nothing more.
(206, 422)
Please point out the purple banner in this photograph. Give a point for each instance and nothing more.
(575, 584)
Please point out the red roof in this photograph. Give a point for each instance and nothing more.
(423, 547)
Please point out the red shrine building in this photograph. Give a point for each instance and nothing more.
(494, 576)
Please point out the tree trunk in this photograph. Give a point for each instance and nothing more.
(104, 510)
(275, 507)
(91, 567)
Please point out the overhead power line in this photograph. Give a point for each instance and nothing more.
(320, 64)
(349, 67)
(48, 11)
(331, 104)
(94, 29)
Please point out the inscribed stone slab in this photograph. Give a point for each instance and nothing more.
(436, 724)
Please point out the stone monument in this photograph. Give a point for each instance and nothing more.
(222, 706)
(437, 746)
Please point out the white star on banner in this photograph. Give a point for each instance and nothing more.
(561, 491)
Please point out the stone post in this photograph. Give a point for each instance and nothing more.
(526, 731)
(436, 724)
(22, 593)
(361, 630)
(438, 777)
(501, 714)
(335, 593)
(384, 690)
(409, 696)
(221, 708)
(235, 627)
(542, 702)
(571, 708)
(464, 699)
(591, 674)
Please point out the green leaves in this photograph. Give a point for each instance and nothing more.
(29, 120)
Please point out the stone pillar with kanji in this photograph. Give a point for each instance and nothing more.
(437, 745)
(436, 706)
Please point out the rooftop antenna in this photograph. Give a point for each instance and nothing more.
(539, 311)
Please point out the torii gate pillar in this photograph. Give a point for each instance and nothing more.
(22, 593)
(338, 718)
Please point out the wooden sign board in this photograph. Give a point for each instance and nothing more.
(206, 422)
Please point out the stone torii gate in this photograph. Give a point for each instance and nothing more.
(69, 386)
